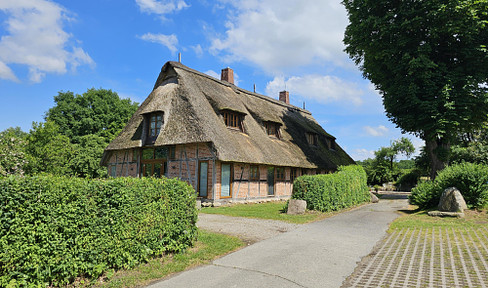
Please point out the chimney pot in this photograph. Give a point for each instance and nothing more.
(227, 75)
(285, 97)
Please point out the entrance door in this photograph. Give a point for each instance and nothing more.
(202, 184)
(271, 180)
(225, 190)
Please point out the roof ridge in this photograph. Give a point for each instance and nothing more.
(225, 83)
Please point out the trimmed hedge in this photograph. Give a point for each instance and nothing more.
(470, 179)
(332, 192)
(54, 229)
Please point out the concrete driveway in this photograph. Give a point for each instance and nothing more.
(320, 254)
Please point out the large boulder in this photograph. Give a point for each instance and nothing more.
(296, 206)
(452, 201)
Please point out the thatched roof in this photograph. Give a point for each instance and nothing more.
(192, 103)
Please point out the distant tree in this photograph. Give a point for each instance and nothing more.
(97, 112)
(12, 155)
(85, 161)
(429, 60)
(48, 150)
(383, 168)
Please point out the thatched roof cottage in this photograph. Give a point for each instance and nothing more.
(227, 142)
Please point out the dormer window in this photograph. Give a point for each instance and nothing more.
(233, 120)
(312, 139)
(155, 122)
(272, 129)
(331, 144)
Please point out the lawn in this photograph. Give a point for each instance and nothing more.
(269, 210)
(208, 247)
(414, 218)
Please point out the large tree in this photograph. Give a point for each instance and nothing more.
(97, 112)
(429, 60)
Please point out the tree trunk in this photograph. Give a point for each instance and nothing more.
(438, 151)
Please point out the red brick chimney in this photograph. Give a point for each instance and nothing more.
(285, 97)
(227, 75)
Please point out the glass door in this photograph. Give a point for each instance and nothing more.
(203, 175)
(225, 190)
(271, 180)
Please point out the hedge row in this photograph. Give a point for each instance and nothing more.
(470, 179)
(331, 192)
(54, 229)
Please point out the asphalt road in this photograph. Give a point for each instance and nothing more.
(320, 254)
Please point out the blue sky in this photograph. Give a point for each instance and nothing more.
(51, 46)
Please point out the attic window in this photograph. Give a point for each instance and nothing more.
(155, 122)
(233, 119)
(331, 144)
(312, 139)
(272, 129)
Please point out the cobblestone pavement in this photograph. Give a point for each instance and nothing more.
(429, 257)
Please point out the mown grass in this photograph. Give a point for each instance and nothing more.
(208, 247)
(269, 210)
(415, 218)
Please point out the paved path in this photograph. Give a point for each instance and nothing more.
(428, 257)
(320, 254)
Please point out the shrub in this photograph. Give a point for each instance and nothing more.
(408, 179)
(331, 192)
(53, 229)
(470, 179)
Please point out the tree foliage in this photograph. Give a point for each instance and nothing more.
(383, 168)
(97, 112)
(48, 150)
(429, 60)
(12, 156)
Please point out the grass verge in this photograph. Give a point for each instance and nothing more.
(208, 247)
(414, 218)
(269, 210)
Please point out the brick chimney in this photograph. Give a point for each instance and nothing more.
(227, 75)
(285, 97)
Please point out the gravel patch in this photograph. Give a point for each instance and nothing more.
(248, 229)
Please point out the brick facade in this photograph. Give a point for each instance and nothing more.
(186, 164)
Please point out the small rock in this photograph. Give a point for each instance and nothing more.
(206, 204)
(216, 204)
(374, 198)
(296, 206)
(452, 201)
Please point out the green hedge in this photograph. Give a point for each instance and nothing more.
(470, 179)
(331, 192)
(54, 229)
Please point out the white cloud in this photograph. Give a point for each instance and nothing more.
(161, 7)
(213, 74)
(323, 89)
(362, 154)
(170, 41)
(198, 50)
(7, 73)
(35, 38)
(376, 131)
(279, 34)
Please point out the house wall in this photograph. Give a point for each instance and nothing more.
(185, 166)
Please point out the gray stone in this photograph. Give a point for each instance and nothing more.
(296, 206)
(199, 204)
(446, 214)
(374, 198)
(452, 201)
(206, 204)
(216, 204)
